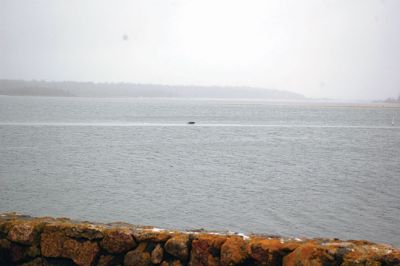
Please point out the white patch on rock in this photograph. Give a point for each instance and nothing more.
(155, 229)
(245, 237)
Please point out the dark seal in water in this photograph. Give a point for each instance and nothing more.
(191, 123)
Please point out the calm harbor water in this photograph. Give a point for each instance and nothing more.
(286, 169)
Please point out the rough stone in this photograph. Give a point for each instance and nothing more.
(23, 233)
(75, 230)
(270, 251)
(172, 263)
(46, 241)
(82, 253)
(87, 231)
(56, 244)
(309, 254)
(150, 234)
(138, 257)
(118, 240)
(177, 246)
(5, 226)
(233, 251)
(392, 257)
(157, 254)
(371, 255)
(206, 250)
(52, 243)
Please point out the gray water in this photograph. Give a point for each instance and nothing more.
(285, 169)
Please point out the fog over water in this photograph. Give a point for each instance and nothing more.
(334, 49)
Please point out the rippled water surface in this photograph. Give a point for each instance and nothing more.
(287, 169)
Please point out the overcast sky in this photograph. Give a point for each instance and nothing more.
(344, 49)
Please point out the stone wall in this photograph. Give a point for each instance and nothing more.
(32, 241)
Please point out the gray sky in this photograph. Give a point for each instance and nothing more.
(345, 49)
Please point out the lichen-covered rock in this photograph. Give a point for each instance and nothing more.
(269, 251)
(157, 254)
(177, 246)
(233, 251)
(46, 241)
(206, 250)
(151, 234)
(392, 257)
(75, 230)
(86, 230)
(309, 254)
(82, 253)
(172, 263)
(52, 243)
(138, 257)
(56, 244)
(118, 240)
(5, 227)
(23, 233)
(107, 260)
(371, 255)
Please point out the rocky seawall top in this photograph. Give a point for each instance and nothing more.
(30, 241)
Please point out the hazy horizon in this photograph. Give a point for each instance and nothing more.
(321, 49)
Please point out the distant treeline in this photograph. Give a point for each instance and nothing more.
(91, 89)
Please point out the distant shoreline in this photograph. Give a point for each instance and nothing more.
(104, 90)
(305, 102)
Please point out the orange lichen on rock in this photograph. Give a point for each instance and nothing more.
(118, 240)
(392, 257)
(47, 241)
(270, 251)
(52, 244)
(371, 254)
(152, 234)
(350, 253)
(171, 263)
(233, 251)
(82, 253)
(309, 254)
(206, 250)
(157, 254)
(178, 246)
(106, 260)
(76, 230)
(138, 257)
(56, 244)
(23, 233)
